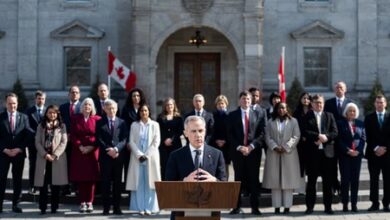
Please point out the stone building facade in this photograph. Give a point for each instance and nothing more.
(52, 44)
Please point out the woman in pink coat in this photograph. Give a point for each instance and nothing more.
(84, 166)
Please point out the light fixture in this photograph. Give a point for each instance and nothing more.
(197, 39)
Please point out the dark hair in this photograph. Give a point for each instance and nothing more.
(45, 119)
(129, 101)
(380, 96)
(253, 89)
(245, 93)
(299, 108)
(176, 112)
(139, 110)
(274, 95)
(317, 96)
(11, 94)
(39, 93)
(73, 86)
(275, 113)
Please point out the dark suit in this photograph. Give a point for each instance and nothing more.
(331, 106)
(247, 168)
(221, 133)
(111, 169)
(350, 166)
(319, 161)
(99, 108)
(378, 136)
(11, 140)
(34, 118)
(180, 164)
(208, 117)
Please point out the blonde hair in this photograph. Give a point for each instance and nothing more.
(221, 98)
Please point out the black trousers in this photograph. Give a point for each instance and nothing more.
(319, 166)
(350, 173)
(376, 165)
(55, 190)
(111, 176)
(246, 169)
(32, 157)
(17, 172)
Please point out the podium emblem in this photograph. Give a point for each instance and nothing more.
(198, 196)
(197, 6)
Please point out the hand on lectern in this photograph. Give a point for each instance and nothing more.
(200, 175)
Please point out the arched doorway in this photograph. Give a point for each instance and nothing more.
(184, 70)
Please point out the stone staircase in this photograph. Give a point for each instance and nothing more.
(265, 198)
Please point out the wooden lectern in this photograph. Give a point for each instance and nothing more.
(198, 200)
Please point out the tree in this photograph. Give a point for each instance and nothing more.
(22, 99)
(377, 89)
(293, 94)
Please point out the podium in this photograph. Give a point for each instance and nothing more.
(197, 200)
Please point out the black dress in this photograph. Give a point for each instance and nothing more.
(169, 129)
(221, 133)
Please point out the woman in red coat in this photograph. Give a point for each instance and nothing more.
(84, 166)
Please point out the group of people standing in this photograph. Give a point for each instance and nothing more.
(90, 141)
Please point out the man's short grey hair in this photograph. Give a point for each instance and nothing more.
(198, 96)
(351, 105)
(193, 118)
(110, 102)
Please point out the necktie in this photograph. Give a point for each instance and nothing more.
(112, 123)
(246, 128)
(102, 103)
(11, 122)
(197, 113)
(339, 106)
(197, 156)
(71, 109)
(380, 118)
(39, 114)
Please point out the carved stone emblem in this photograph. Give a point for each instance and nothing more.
(197, 6)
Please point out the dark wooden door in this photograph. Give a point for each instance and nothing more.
(196, 73)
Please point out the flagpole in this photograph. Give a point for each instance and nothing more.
(108, 73)
(282, 79)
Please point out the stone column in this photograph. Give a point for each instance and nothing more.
(367, 63)
(27, 58)
(253, 41)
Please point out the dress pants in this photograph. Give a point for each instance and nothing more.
(55, 190)
(17, 172)
(319, 165)
(111, 175)
(32, 157)
(350, 173)
(375, 166)
(282, 198)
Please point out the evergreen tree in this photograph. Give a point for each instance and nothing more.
(94, 88)
(22, 99)
(293, 94)
(377, 89)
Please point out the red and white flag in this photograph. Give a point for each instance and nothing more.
(120, 73)
(282, 82)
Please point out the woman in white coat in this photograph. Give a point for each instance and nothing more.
(144, 166)
(281, 171)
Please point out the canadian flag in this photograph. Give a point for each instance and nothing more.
(120, 73)
(282, 82)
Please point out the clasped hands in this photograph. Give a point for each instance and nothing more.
(380, 151)
(12, 152)
(142, 158)
(85, 149)
(280, 149)
(200, 175)
(321, 139)
(112, 152)
(246, 150)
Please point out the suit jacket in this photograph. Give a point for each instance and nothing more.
(129, 115)
(208, 117)
(21, 135)
(152, 154)
(346, 138)
(311, 132)
(65, 113)
(376, 135)
(257, 122)
(33, 118)
(331, 106)
(104, 138)
(180, 164)
(221, 133)
(59, 170)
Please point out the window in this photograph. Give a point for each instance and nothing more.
(78, 66)
(316, 66)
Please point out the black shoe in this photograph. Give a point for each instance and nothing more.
(53, 211)
(386, 209)
(277, 210)
(354, 208)
(308, 211)
(118, 212)
(373, 208)
(286, 211)
(345, 208)
(256, 212)
(235, 211)
(106, 212)
(329, 211)
(17, 209)
(43, 212)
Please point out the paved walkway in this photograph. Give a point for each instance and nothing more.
(31, 211)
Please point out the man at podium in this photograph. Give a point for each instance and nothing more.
(197, 161)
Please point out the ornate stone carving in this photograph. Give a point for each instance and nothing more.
(197, 6)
